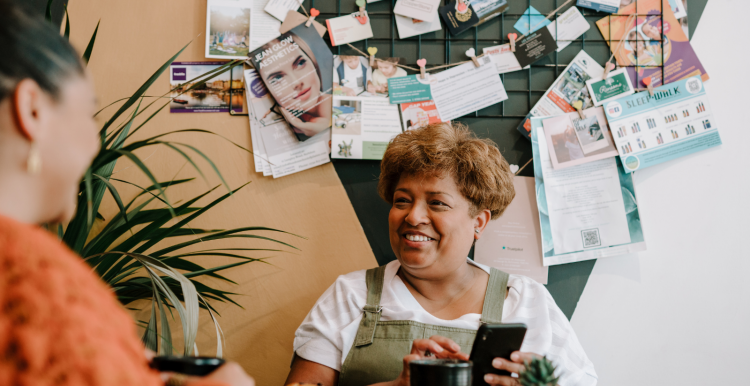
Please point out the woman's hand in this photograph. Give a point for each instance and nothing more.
(348, 91)
(515, 365)
(307, 128)
(439, 346)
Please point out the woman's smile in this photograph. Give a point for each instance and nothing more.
(304, 94)
(417, 239)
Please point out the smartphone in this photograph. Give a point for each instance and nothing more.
(494, 341)
(186, 365)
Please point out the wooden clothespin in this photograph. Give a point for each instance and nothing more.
(421, 63)
(647, 82)
(578, 105)
(362, 15)
(512, 37)
(609, 66)
(472, 54)
(461, 6)
(313, 13)
(372, 51)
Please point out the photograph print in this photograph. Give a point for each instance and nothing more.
(573, 140)
(227, 29)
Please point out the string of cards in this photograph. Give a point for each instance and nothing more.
(589, 131)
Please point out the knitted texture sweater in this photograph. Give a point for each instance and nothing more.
(59, 323)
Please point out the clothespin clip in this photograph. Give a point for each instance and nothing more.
(362, 15)
(512, 37)
(461, 6)
(472, 54)
(313, 13)
(647, 82)
(421, 63)
(609, 66)
(372, 51)
(578, 105)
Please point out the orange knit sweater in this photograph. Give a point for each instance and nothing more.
(59, 323)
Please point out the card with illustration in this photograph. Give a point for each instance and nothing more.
(530, 21)
(410, 88)
(228, 28)
(573, 140)
(417, 9)
(675, 122)
(212, 96)
(617, 85)
(408, 27)
(535, 46)
(415, 115)
(349, 28)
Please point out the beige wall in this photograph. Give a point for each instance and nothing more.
(134, 39)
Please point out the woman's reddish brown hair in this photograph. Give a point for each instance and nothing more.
(482, 174)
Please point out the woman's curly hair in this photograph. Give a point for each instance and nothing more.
(482, 174)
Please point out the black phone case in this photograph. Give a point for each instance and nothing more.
(494, 341)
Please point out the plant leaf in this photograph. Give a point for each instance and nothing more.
(90, 47)
(67, 23)
(48, 13)
(116, 196)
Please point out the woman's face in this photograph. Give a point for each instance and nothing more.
(431, 231)
(67, 146)
(294, 81)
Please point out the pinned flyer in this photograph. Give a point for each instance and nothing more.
(614, 86)
(349, 28)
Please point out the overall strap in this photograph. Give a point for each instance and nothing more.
(371, 317)
(497, 287)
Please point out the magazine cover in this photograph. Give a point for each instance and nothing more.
(210, 97)
(644, 48)
(297, 68)
(227, 28)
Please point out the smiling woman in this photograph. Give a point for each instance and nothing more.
(444, 185)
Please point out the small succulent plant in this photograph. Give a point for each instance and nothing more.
(539, 372)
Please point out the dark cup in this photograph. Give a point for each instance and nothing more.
(440, 372)
(186, 365)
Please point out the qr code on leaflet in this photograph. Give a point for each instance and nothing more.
(591, 238)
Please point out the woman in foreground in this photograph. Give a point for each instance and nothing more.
(444, 186)
(59, 324)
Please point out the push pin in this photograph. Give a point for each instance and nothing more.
(512, 37)
(372, 51)
(472, 54)
(313, 12)
(362, 18)
(421, 63)
(609, 66)
(578, 105)
(647, 82)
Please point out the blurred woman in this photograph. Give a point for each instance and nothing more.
(59, 324)
(444, 185)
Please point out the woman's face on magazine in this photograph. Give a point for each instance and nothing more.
(295, 82)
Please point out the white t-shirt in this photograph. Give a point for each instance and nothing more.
(327, 333)
(352, 77)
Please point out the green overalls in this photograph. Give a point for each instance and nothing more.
(379, 347)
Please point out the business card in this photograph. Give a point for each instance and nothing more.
(349, 28)
(615, 86)
(417, 9)
(534, 47)
(408, 27)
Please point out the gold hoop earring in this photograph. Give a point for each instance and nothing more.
(34, 162)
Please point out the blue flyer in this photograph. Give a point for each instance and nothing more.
(674, 122)
(408, 89)
(530, 21)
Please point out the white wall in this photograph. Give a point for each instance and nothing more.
(679, 313)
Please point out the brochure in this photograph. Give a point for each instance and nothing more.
(617, 85)
(459, 17)
(363, 126)
(675, 122)
(212, 96)
(530, 21)
(466, 88)
(228, 28)
(512, 243)
(503, 58)
(535, 46)
(408, 27)
(569, 87)
(280, 8)
(410, 88)
(419, 114)
(573, 140)
(606, 6)
(255, 108)
(572, 26)
(585, 211)
(348, 29)
(297, 69)
(425, 10)
(294, 18)
(644, 52)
